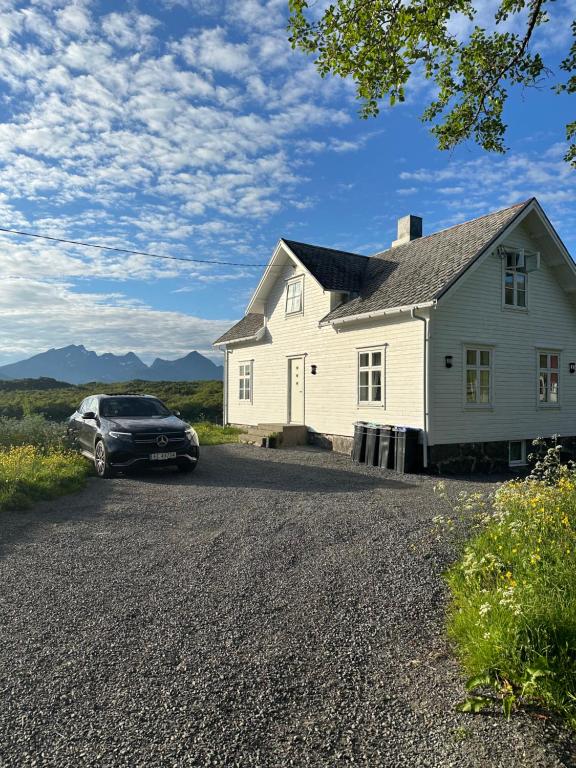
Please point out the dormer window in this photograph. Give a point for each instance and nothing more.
(515, 279)
(294, 291)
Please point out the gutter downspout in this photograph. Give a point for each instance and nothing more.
(225, 403)
(426, 387)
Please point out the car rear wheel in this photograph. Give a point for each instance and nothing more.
(101, 464)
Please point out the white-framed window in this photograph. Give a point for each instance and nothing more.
(294, 295)
(478, 375)
(245, 381)
(548, 378)
(517, 453)
(515, 289)
(371, 376)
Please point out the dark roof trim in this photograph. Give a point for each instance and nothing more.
(249, 328)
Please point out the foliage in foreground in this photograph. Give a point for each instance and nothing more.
(30, 473)
(385, 46)
(33, 430)
(513, 607)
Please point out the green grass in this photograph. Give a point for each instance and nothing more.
(513, 606)
(29, 473)
(212, 434)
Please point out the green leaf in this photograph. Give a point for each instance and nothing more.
(474, 704)
(384, 46)
(483, 680)
(508, 705)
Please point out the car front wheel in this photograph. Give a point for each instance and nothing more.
(101, 464)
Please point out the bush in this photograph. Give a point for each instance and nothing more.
(513, 607)
(32, 430)
(29, 473)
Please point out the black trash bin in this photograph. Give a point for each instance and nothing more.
(386, 448)
(359, 447)
(372, 444)
(406, 450)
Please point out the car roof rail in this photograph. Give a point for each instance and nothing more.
(123, 394)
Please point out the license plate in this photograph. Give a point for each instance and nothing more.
(162, 456)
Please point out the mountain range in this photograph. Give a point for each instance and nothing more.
(77, 365)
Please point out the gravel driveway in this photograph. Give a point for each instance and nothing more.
(276, 608)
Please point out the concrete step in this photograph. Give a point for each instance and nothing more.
(260, 432)
(288, 435)
(249, 439)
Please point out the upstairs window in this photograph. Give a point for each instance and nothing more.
(371, 377)
(245, 382)
(294, 297)
(515, 279)
(478, 376)
(548, 378)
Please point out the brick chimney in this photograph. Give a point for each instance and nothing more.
(409, 228)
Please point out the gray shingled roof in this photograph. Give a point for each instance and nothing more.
(421, 270)
(334, 270)
(244, 329)
(414, 273)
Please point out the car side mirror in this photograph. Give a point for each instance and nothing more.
(88, 415)
(176, 413)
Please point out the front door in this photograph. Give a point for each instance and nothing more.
(296, 390)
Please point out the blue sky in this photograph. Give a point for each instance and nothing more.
(190, 127)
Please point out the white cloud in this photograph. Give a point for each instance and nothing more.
(38, 315)
(471, 188)
(119, 129)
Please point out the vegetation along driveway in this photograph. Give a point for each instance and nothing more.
(276, 608)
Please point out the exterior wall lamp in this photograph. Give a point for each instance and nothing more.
(313, 370)
(448, 361)
(572, 367)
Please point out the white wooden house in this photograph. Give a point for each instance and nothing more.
(468, 335)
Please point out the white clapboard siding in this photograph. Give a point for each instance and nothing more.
(474, 313)
(331, 395)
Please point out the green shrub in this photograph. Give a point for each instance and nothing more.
(30, 473)
(513, 605)
(32, 430)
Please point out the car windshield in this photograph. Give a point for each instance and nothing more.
(132, 407)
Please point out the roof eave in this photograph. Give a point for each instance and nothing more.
(255, 337)
(378, 313)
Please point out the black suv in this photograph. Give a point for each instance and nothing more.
(118, 432)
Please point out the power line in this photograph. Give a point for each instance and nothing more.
(129, 251)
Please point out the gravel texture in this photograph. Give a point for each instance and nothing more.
(275, 608)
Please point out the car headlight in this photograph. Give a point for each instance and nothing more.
(192, 435)
(121, 435)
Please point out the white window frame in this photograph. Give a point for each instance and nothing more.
(243, 378)
(289, 283)
(548, 370)
(478, 367)
(370, 351)
(513, 270)
(522, 462)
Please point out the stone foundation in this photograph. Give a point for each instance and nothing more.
(486, 458)
(337, 443)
